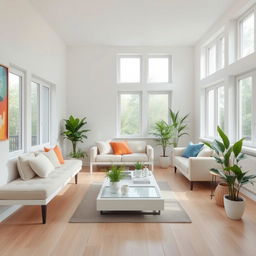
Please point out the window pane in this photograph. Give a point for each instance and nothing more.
(35, 111)
(221, 107)
(245, 108)
(15, 113)
(222, 52)
(45, 114)
(212, 59)
(129, 70)
(247, 35)
(158, 70)
(130, 114)
(157, 109)
(210, 116)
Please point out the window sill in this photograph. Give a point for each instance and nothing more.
(134, 138)
(246, 149)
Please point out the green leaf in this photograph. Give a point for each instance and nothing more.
(219, 146)
(237, 147)
(224, 137)
(227, 156)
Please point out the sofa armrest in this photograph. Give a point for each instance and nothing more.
(150, 152)
(93, 153)
(178, 151)
(199, 167)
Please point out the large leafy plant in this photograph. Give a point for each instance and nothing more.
(164, 133)
(179, 125)
(229, 156)
(115, 173)
(75, 132)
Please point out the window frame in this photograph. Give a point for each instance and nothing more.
(251, 143)
(118, 73)
(169, 57)
(215, 88)
(22, 75)
(238, 25)
(42, 84)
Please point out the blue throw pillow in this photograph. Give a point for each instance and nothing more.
(192, 150)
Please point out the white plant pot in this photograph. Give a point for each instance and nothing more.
(138, 173)
(114, 187)
(164, 162)
(234, 209)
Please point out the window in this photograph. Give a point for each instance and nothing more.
(129, 69)
(245, 101)
(40, 113)
(16, 80)
(246, 35)
(221, 52)
(159, 69)
(158, 106)
(214, 110)
(212, 62)
(130, 114)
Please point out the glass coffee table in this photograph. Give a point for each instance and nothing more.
(145, 198)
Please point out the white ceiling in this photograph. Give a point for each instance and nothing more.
(131, 22)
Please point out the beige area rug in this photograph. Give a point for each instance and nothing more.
(86, 211)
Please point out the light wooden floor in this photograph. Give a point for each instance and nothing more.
(210, 233)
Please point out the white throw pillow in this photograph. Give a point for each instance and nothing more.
(205, 152)
(104, 147)
(41, 165)
(51, 155)
(25, 171)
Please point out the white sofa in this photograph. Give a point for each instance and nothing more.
(193, 168)
(141, 153)
(39, 191)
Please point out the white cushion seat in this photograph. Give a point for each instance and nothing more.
(135, 157)
(108, 158)
(40, 188)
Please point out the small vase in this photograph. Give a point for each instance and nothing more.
(234, 209)
(114, 187)
(220, 191)
(125, 189)
(137, 173)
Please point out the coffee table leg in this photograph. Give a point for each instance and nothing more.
(156, 212)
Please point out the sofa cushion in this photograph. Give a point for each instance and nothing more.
(58, 153)
(205, 152)
(137, 146)
(120, 147)
(51, 155)
(40, 188)
(192, 150)
(182, 162)
(104, 147)
(108, 158)
(25, 171)
(135, 157)
(41, 165)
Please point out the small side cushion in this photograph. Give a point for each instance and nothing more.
(41, 165)
(192, 150)
(25, 171)
(104, 147)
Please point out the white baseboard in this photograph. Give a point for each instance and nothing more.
(9, 211)
(249, 193)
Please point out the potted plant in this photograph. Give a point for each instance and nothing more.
(229, 156)
(75, 132)
(164, 133)
(138, 169)
(179, 126)
(115, 174)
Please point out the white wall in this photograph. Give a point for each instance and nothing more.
(92, 88)
(232, 69)
(29, 43)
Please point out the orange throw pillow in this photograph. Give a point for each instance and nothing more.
(58, 153)
(120, 148)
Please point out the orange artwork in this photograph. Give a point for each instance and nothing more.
(3, 103)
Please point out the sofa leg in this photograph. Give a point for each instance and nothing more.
(175, 169)
(44, 213)
(152, 167)
(91, 168)
(76, 178)
(191, 185)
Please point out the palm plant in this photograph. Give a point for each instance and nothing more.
(115, 173)
(179, 125)
(164, 133)
(75, 133)
(229, 156)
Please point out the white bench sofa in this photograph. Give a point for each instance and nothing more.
(141, 153)
(39, 191)
(193, 168)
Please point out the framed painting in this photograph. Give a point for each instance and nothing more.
(3, 102)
